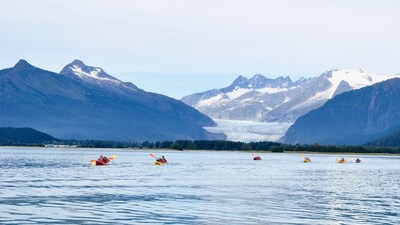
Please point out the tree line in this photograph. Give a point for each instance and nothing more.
(213, 145)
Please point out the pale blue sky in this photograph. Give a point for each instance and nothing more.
(181, 47)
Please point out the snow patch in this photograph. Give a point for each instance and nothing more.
(287, 99)
(270, 90)
(93, 74)
(210, 102)
(237, 92)
(241, 91)
(356, 78)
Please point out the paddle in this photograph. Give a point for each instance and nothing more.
(350, 160)
(152, 155)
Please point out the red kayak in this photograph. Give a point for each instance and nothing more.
(257, 158)
(102, 161)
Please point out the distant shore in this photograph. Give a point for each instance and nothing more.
(205, 150)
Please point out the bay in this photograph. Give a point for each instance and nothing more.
(59, 186)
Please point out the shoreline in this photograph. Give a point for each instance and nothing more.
(204, 150)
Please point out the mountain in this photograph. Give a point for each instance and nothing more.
(391, 140)
(84, 102)
(9, 135)
(96, 77)
(277, 100)
(354, 117)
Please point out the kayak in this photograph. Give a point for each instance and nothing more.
(102, 162)
(340, 161)
(257, 158)
(306, 161)
(157, 163)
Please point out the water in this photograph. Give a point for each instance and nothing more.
(57, 186)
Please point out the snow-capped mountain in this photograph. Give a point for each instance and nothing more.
(278, 100)
(96, 76)
(88, 73)
(86, 103)
(352, 118)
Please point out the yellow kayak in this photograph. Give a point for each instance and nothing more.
(340, 161)
(306, 160)
(156, 163)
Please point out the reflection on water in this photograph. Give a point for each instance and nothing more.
(60, 186)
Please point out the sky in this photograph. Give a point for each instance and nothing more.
(180, 47)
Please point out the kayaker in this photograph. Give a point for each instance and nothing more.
(342, 160)
(159, 159)
(105, 159)
(358, 160)
(307, 159)
(257, 157)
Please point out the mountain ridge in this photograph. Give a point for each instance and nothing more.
(23, 135)
(353, 117)
(391, 140)
(71, 106)
(280, 99)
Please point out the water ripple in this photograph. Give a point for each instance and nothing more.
(195, 188)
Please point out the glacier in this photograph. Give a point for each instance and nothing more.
(248, 131)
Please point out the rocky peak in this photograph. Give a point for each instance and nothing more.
(81, 70)
(79, 63)
(239, 80)
(22, 64)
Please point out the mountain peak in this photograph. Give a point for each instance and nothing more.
(240, 79)
(78, 63)
(21, 64)
(258, 77)
(81, 70)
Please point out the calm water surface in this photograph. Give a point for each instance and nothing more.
(59, 186)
